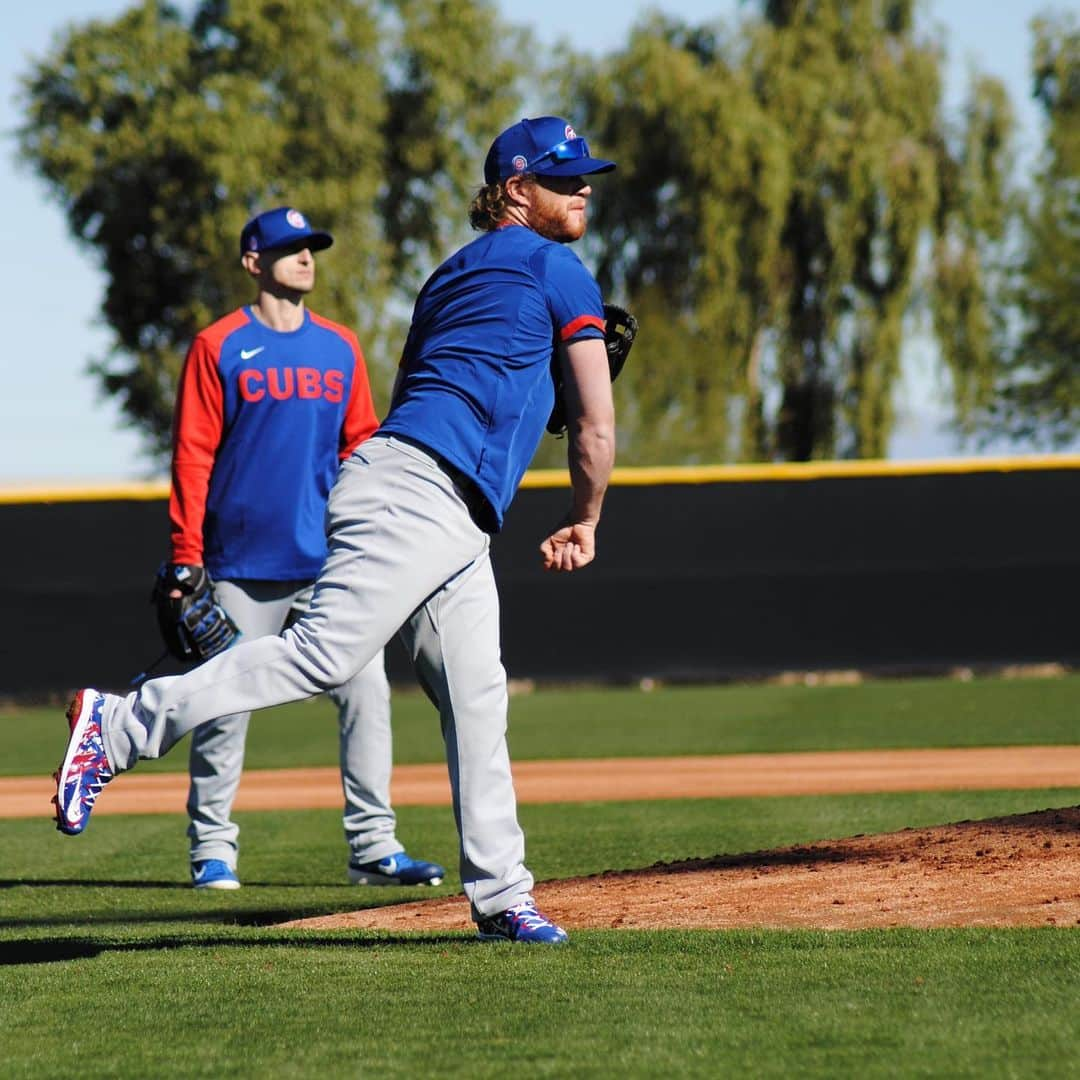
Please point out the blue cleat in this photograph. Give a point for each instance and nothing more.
(397, 869)
(213, 874)
(85, 769)
(521, 923)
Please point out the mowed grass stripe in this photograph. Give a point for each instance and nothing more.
(593, 722)
(897, 1003)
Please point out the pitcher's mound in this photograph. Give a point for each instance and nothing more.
(1010, 871)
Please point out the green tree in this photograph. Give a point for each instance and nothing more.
(970, 265)
(160, 135)
(1036, 388)
(777, 187)
(687, 231)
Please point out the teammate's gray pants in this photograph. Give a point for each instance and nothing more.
(216, 759)
(403, 550)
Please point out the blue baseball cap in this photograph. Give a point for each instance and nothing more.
(280, 228)
(545, 145)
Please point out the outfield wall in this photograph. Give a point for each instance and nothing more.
(711, 573)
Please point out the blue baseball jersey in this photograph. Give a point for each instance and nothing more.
(263, 419)
(476, 384)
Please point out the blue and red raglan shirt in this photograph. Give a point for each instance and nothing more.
(475, 383)
(263, 420)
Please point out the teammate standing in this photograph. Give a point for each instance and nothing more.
(271, 398)
(411, 514)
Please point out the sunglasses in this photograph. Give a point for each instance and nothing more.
(568, 150)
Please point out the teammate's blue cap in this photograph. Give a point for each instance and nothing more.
(545, 145)
(280, 228)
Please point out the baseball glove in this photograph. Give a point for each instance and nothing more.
(194, 626)
(620, 329)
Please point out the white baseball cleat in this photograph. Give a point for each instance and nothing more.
(85, 769)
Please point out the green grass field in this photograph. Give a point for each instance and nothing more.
(110, 965)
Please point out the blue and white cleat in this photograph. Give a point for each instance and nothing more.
(521, 923)
(85, 769)
(399, 869)
(213, 874)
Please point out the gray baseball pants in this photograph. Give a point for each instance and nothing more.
(404, 552)
(216, 759)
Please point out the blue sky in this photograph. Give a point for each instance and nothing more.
(55, 429)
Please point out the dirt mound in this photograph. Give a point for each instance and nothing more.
(1011, 871)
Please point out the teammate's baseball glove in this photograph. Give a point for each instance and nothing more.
(620, 329)
(194, 626)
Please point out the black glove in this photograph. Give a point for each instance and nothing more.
(620, 329)
(194, 626)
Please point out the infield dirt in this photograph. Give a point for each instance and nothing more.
(1015, 871)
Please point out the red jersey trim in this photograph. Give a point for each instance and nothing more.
(197, 430)
(571, 328)
(360, 421)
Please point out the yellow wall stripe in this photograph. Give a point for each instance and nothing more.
(133, 491)
(628, 477)
(809, 470)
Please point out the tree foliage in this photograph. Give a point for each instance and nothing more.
(791, 199)
(160, 135)
(1035, 389)
(776, 188)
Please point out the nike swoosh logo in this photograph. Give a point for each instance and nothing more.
(247, 354)
(73, 813)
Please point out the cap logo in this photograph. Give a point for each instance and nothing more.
(296, 219)
(570, 133)
(519, 162)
